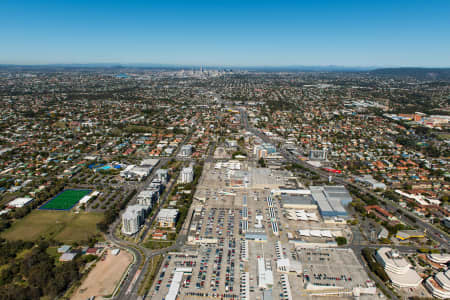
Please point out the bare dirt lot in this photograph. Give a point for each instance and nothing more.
(102, 280)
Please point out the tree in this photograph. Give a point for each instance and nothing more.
(262, 163)
(340, 240)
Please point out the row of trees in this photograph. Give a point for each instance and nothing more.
(113, 212)
(187, 200)
(373, 265)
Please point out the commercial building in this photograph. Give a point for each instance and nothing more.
(232, 165)
(20, 202)
(331, 200)
(133, 218)
(439, 285)
(149, 162)
(136, 172)
(167, 217)
(187, 175)
(409, 234)
(371, 182)
(304, 201)
(265, 275)
(186, 150)
(156, 185)
(318, 154)
(397, 268)
(263, 150)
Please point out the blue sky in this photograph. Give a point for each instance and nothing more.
(240, 33)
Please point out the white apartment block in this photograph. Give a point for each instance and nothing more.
(146, 197)
(133, 218)
(187, 175)
(186, 150)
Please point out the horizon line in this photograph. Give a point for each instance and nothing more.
(147, 64)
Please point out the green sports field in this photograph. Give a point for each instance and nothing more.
(65, 200)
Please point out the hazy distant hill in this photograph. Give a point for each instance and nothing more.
(418, 73)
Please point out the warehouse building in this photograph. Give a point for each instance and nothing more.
(265, 275)
(298, 201)
(331, 200)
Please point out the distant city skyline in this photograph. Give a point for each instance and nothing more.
(227, 33)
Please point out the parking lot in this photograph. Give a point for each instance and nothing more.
(214, 271)
(235, 231)
(215, 266)
(332, 267)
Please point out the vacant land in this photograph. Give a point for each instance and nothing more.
(103, 279)
(65, 200)
(63, 226)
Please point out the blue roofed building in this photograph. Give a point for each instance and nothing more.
(331, 201)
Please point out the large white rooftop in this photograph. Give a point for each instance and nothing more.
(20, 202)
(397, 268)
